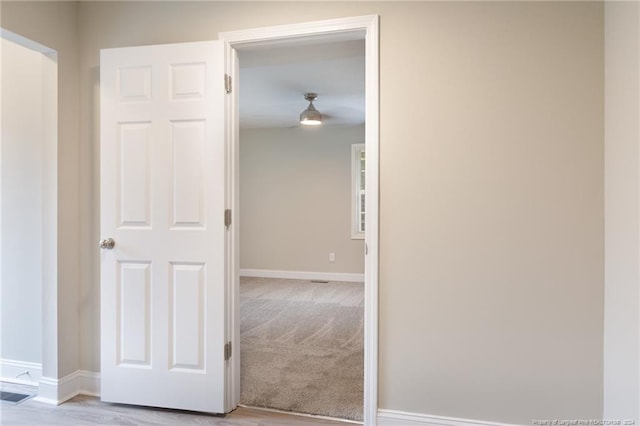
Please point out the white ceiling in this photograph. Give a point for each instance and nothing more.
(275, 79)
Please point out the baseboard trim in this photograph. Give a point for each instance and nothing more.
(302, 275)
(56, 391)
(401, 418)
(21, 372)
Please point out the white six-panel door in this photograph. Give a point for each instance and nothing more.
(162, 202)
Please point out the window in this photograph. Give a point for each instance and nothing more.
(357, 191)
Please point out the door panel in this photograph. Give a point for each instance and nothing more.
(133, 174)
(162, 201)
(133, 333)
(188, 172)
(187, 316)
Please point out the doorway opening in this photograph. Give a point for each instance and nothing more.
(292, 37)
(301, 266)
(28, 210)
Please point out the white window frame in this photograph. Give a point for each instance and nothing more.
(357, 180)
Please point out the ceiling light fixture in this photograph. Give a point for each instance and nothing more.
(310, 116)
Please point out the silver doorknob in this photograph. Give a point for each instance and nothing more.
(108, 244)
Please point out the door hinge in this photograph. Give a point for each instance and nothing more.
(227, 351)
(227, 217)
(227, 83)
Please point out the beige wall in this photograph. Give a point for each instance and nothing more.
(295, 200)
(491, 191)
(491, 279)
(622, 211)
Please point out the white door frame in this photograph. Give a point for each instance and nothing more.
(345, 28)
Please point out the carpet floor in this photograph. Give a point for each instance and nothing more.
(302, 346)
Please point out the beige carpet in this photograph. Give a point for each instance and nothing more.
(302, 346)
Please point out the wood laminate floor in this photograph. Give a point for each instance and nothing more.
(87, 410)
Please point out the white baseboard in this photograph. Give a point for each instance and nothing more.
(57, 391)
(401, 418)
(24, 373)
(300, 275)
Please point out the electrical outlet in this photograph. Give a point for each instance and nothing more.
(332, 257)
